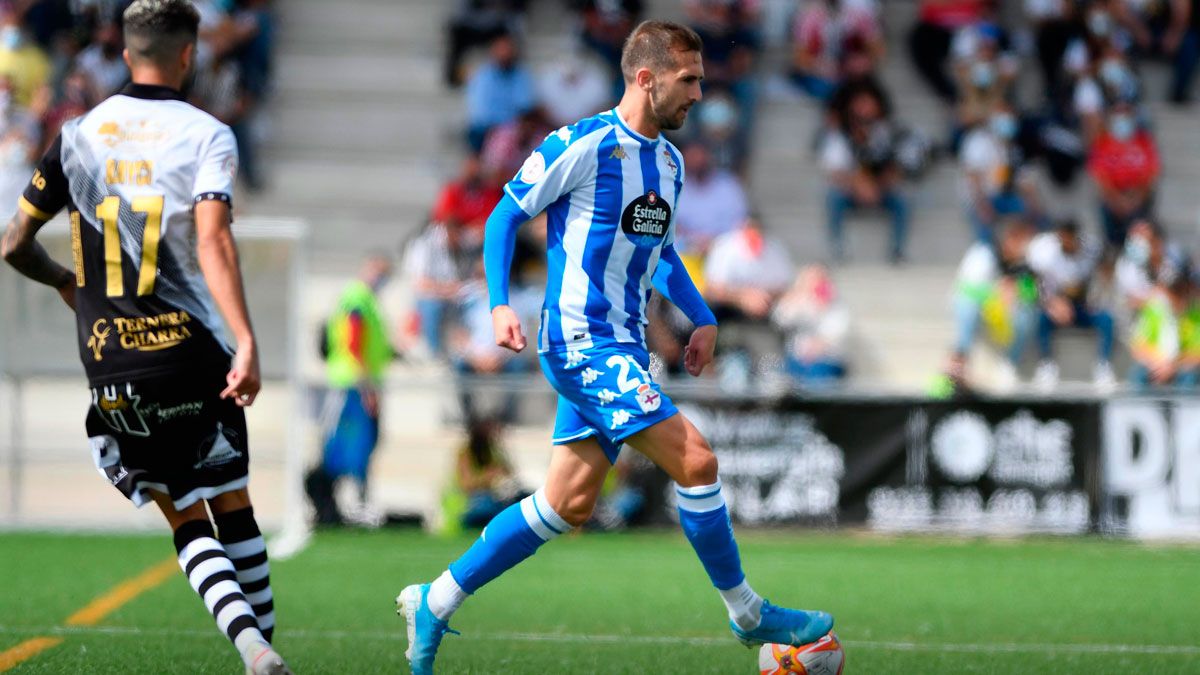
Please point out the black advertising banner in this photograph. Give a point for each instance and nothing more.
(901, 464)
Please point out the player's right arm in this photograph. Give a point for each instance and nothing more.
(553, 170)
(45, 196)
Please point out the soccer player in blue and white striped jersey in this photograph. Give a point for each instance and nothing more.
(609, 185)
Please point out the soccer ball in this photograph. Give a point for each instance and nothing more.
(823, 657)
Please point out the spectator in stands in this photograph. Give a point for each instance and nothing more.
(22, 61)
(745, 273)
(484, 481)
(257, 45)
(103, 62)
(996, 289)
(998, 181)
(984, 75)
(817, 324)
(1182, 40)
(474, 352)
(77, 98)
(1064, 264)
(721, 127)
(824, 32)
(467, 201)
(1108, 79)
(475, 23)
(509, 144)
(572, 88)
(605, 25)
(860, 160)
(1125, 166)
(1146, 253)
(430, 263)
(930, 40)
(1054, 26)
(1166, 339)
(498, 91)
(715, 203)
(19, 144)
(359, 353)
(729, 29)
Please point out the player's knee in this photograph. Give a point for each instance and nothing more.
(577, 509)
(700, 465)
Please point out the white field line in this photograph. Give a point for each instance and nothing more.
(398, 635)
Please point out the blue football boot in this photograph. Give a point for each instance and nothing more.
(425, 631)
(780, 625)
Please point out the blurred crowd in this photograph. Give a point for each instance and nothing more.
(58, 58)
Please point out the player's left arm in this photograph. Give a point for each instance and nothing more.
(671, 278)
(218, 257)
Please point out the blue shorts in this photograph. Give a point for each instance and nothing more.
(604, 391)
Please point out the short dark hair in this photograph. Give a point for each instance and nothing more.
(157, 30)
(653, 45)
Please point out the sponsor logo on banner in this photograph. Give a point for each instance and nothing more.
(1016, 475)
(1151, 468)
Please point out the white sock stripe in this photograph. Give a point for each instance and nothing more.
(220, 590)
(267, 620)
(232, 611)
(254, 573)
(259, 597)
(543, 506)
(208, 568)
(245, 549)
(701, 499)
(196, 546)
(535, 522)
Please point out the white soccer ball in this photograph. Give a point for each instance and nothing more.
(823, 657)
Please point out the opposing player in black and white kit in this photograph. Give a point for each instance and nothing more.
(147, 181)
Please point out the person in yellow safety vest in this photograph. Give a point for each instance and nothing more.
(359, 351)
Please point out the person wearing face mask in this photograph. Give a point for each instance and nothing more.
(997, 181)
(498, 91)
(1125, 166)
(102, 61)
(1166, 338)
(817, 324)
(860, 159)
(984, 73)
(21, 60)
(1146, 253)
(716, 201)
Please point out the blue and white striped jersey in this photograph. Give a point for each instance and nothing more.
(610, 196)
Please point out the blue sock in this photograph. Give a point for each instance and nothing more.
(705, 522)
(512, 536)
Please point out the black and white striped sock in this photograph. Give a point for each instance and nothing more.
(212, 576)
(239, 534)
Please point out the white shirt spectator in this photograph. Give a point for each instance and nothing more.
(572, 89)
(429, 258)
(710, 209)
(987, 156)
(836, 154)
(979, 266)
(732, 262)
(1060, 273)
(108, 75)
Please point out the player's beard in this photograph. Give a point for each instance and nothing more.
(668, 115)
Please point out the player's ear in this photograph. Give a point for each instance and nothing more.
(125, 55)
(644, 78)
(188, 56)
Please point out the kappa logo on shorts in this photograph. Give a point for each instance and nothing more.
(574, 358)
(620, 418)
(607, 396)
(648, 399)
(590, 375)
(217, 450)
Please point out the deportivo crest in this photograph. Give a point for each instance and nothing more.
(648, 399)
(646, 219)
(670, 162)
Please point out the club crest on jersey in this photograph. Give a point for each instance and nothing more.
(648, 399)
(670, 162)
(646, 219)
(533, 169)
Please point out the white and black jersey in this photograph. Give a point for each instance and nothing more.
(129, 172)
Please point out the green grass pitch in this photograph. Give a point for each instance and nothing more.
(635, 603)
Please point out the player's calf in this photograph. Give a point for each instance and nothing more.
(243, 541)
